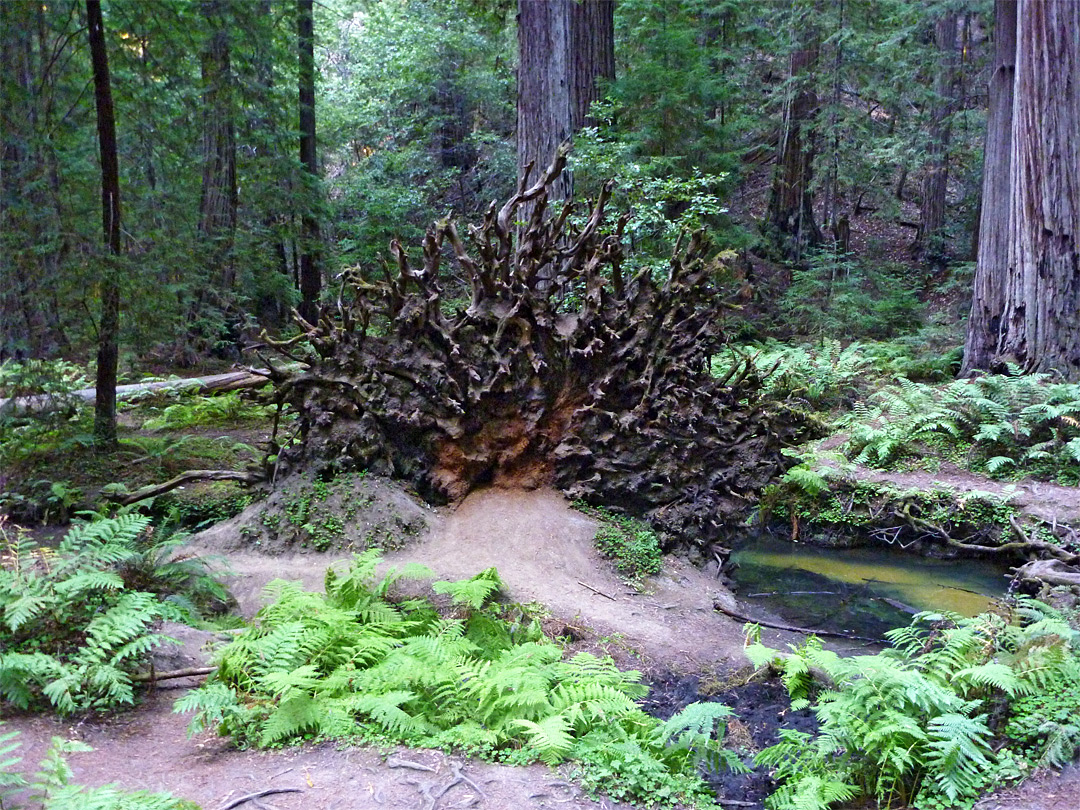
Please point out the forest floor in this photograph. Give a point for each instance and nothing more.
(544, 552)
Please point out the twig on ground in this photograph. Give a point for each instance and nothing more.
(251, 797)
(152, 676)
(600, 593)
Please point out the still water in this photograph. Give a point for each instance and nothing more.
(864, 591)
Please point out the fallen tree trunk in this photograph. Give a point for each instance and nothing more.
(215, 383)
(188, 477)
(563, 369)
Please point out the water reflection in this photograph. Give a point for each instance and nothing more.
(863, 590)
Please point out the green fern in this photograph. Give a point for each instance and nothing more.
(909, 723)
(349, 662)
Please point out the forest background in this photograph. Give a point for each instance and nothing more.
(416, 115)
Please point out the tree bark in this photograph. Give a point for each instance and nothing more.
(936, 172)
(791, 212)
(592, 56)
(1040, 328)
(309, 270)
(218, 203)
(992, 252)
(565, 50)
(109, 327)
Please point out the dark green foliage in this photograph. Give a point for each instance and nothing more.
(913, 724)
(352, 663)
(630, 544)
(77, 621)
(836, 294)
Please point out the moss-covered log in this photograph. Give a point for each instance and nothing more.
(562, 369)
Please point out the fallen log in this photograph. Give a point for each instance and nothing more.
(171, 675)
(792, 628)
(153, 490)
(215, 383)
(1050, 572)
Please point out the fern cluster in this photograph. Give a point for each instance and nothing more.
(50, 787)
(1012, 424)
(71, 632)
(193, 411)
(913, 724)
(351, 662)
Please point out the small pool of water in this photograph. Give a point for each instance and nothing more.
(864, 591)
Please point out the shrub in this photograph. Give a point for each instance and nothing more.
(72, 627)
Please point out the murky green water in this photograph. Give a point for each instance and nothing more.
(864, 590)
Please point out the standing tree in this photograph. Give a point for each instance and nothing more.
(310, 278)
(109, 327)
(988, 299)
(565, 48)
(218, 202)
(1039, 327)
(791, 211)
(936, 177)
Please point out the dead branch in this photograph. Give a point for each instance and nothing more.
(792, 628)
(252, 797)
(170, 675)
(153, 490)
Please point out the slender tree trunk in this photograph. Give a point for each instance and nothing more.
(992, 251)
(217, 207)
(109, 327)
(309, 271)
(791, 211)
(936, 176)
(1040, 328)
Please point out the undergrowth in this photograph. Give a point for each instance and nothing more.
(997, 424)
(957, 706)
(76, 622)
(630, 544)
(353, 663)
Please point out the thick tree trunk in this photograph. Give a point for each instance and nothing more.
(992, 252)
(592, 56)
(544, 107)
(791, 212)
(936, 171)
(566, 50)
(109, 326)
(218, 203)
(309, 270)
(1040, 329)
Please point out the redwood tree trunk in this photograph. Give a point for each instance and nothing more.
(936, 177)
(1040, 328)
(109, 327)
(791, 211)
(217, 206)
(310, 278)
(565, 49)
(988, 297)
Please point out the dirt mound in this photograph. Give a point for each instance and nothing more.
(542, 548)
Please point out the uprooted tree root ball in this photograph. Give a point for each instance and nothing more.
(563, 369)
